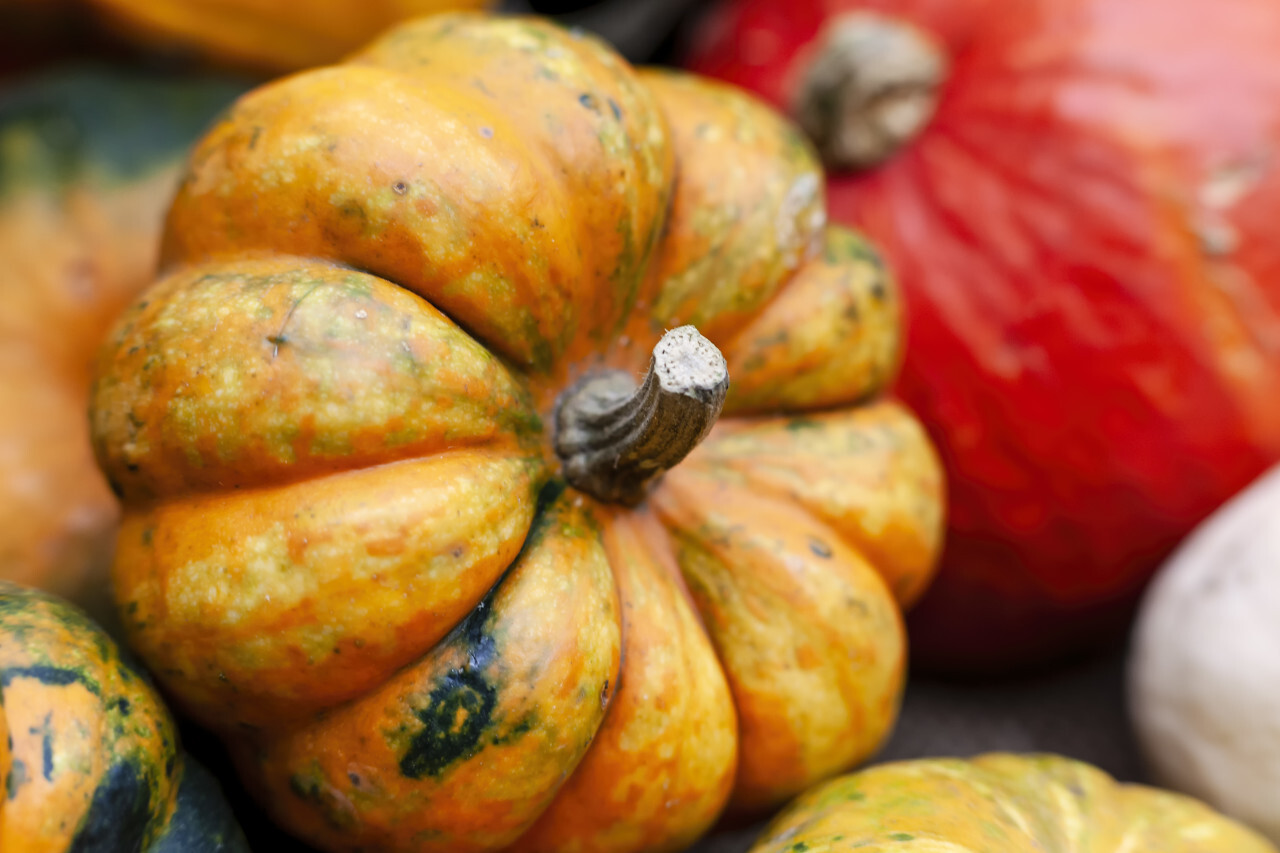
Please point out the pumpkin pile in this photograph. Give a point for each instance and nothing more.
(1080, 200)
(505, 458)
(426, 506)
(89, 757)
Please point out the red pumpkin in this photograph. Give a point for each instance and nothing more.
(1080, 198)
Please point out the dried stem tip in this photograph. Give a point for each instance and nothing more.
(871, 86)
(614, 439)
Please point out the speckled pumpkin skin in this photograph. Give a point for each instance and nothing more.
(347, 545)
(1000, 803)
(91, 760)
(89, 161)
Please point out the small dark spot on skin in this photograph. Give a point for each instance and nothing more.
(131, 467)
(399, 188)
(147, 534)
(358, 643)
(46, 746)
(253, 138)
(457, 551)
(131, 608)
(50, 676)
(17, 775)
(222, 676)
(355, 779)
(617, 110)
(537, 223)
(901, 836)
(486, 132)
(134, 349)
(604, 695)
(801, 423)
(122, 705)
(878, 292)
(143, 304)
(589, 101)
(820, 548)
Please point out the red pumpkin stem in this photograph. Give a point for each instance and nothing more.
(870, 88)
(614, 438)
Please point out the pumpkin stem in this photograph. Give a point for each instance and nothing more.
(614, 438)
(871, 86)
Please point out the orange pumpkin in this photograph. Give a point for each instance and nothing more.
(88, 163)
(89, 757)
(402, 526)
(264, 35)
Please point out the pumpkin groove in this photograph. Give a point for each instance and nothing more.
(414, 623)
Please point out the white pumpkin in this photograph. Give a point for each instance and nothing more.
(1204, 669)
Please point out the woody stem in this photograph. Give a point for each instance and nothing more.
(615, 438)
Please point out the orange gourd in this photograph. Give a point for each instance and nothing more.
(264, 35)
(399, 521)
(89, 756)
(1000, 803)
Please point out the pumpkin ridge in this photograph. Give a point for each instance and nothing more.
(394, 579)
(870, 474)
(646, 782)
(760, 568)
(495, 799)
(183, 426)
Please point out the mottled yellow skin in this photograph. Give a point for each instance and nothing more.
(326, 471)
(346, 371)
(524, 696)
(749, 209)
(808, 634)
(870, 473)
(1000, 803)
(666, 754)
(783, 358)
